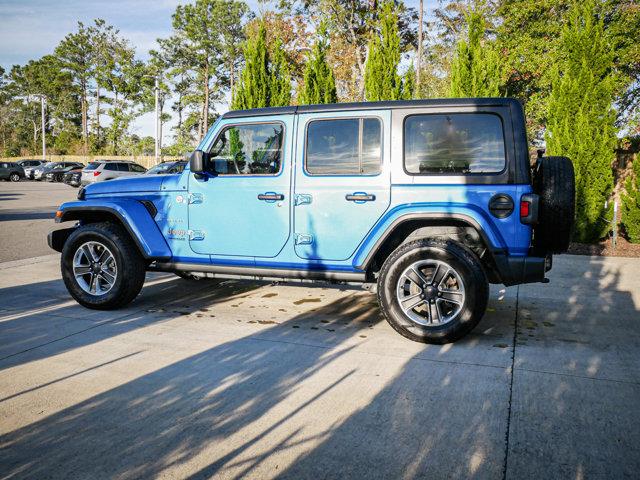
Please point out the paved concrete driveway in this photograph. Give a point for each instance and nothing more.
(234, 379)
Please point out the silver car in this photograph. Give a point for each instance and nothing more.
(103, 170)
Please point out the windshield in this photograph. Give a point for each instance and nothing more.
(162, 168)
(49, 164)
(92, 166)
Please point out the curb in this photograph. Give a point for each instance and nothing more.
(28, 261)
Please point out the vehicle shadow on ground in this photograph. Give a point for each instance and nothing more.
(235, 409)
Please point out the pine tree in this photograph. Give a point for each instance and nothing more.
(581, 117)
(318, 85)
(381, 79)
(254, 85)
(631, 204)
(475, 71)
(280, 77)
(409, 83)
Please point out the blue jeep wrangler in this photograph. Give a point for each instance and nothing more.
(426, 202)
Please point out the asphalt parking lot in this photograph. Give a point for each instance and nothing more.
(26, 216)
(232, 379)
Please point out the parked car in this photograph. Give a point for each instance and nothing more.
(425, 202)
(40, 173)
(72, 177)
(167, 168)
(11, 171)
(57, 173)
(102, 170)
(29, 166)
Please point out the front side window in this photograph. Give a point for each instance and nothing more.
(251, 149)
(349, 146)
(453, 144)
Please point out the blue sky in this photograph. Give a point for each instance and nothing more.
(32, 28)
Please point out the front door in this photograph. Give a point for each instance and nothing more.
(342, 181)
(241, 207)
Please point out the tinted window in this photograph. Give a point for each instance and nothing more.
(460, 143)
(344, 147)
(92, 166)
(111, 166)
(136, 168)
(248, 150)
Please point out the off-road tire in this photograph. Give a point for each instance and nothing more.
(130, 265)
(463, 261)
(554, 182)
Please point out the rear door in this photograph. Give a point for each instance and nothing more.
(341, 181)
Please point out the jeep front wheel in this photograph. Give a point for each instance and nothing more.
(101, 267)
(432, 291)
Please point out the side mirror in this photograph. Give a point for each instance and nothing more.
(197, 162)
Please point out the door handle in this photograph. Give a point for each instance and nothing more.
(271, 196)
(360, 197)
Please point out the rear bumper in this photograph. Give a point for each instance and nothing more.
(518, 270)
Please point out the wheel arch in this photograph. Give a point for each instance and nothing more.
(461, 228)
(133, 216)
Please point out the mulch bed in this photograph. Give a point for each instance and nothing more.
(605, 248)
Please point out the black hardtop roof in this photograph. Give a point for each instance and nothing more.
(340, 107)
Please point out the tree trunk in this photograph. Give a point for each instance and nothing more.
(232, 77)
(205, 109)
(85, 134)
(419, 59)
(98, 113)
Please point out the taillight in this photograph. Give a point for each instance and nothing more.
(524, 209)
(95, 174)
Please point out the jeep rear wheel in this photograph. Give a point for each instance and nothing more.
(432, 291)
(554, 182)
(101, 267)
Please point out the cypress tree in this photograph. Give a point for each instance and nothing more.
(254, 85)
(381, 79)
(280, 77)
(409, 83)
(319, 85)
(581, 117)
(631, 204)
(475, 71)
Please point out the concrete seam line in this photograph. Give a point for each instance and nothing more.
(573, 375)
(513, 359)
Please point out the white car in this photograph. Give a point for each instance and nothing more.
(103, 170)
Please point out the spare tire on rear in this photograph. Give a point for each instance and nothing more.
(554, 182)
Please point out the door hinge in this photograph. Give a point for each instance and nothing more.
(196, 235)
(303, 239)
(195, 198)
(302, 199)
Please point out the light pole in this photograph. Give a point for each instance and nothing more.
(158, 139)
(158, 125)
(44, 140)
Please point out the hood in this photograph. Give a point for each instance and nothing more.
(140, 183)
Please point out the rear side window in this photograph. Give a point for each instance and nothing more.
(453, 144)
(92, 166)
(349, 146)
(111, 166)
(137, 168)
